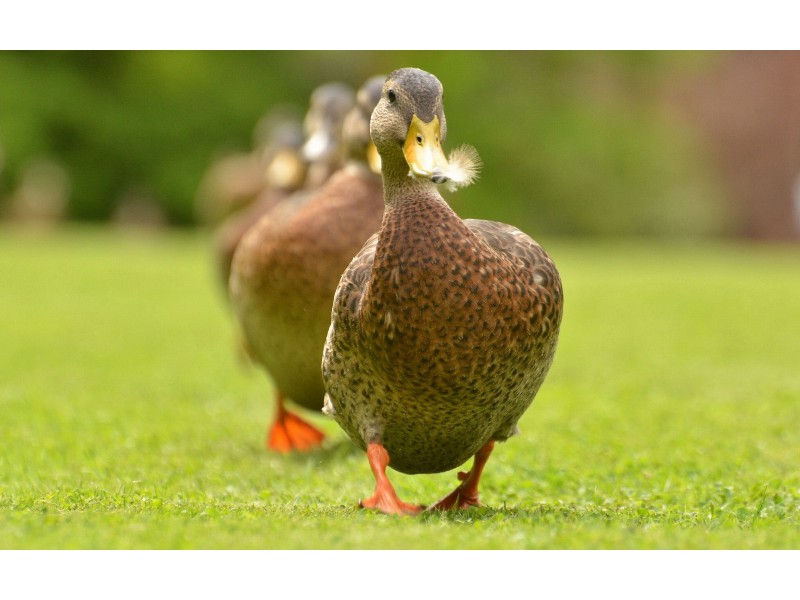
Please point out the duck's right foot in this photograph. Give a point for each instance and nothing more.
(289, 432)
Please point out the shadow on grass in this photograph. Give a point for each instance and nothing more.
(470, 515)
(536, 514)
(332, 451)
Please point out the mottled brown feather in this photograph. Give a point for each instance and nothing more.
(442, 332)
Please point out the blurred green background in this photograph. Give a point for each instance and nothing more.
(573, 143)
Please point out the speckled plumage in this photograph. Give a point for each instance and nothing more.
(442, 329)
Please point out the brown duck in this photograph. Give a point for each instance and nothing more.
(234, 181)
(442, 329)
(286, 268)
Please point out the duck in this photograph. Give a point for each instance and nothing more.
(298, 159)
(286, 268)
(323, 149)
(235, 180)
(283, 174)
(442, 329)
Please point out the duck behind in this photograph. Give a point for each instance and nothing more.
(285, 273)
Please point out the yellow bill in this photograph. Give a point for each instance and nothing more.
(373, 158)
(425, 157)
(286, 170)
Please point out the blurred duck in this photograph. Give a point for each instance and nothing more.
(286, 268)
(236, 180)
(283, 174)
(323, 150)
(290, 164)
(442, 329)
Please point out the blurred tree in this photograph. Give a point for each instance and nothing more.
(572, 142)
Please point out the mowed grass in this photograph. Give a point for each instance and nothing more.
(670, 419)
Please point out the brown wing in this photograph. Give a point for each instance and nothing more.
(510, 241)
(352, 284)
(344, 317)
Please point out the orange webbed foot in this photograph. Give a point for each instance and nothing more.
(466, 494)
(459, 498)
(289, 432)
(385, 498)
(387, 502)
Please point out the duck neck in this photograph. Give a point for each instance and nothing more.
(414, 214)
(399, 186)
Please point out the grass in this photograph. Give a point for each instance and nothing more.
(670, 419)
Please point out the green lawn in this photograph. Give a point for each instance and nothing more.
(670, 419)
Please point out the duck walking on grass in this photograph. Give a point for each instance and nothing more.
(442, 329)
(286, 268)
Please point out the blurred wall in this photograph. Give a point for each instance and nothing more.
(746, 107)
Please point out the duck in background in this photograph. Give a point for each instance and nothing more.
(286, 268)
(283, 173)
(291, 156)
(235, 180)
(442, 329)
(323, 153)
(329, 105)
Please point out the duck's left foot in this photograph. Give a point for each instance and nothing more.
(461, 497)
(466, 494)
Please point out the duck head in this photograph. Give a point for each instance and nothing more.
(323, 122)
(355, 131)
(408, 127)
(280, 135)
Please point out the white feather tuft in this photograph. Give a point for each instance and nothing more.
(462, 168)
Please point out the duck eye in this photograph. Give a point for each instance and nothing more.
(419, 139)
(391, 96)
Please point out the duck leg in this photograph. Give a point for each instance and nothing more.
(290, 432)
(466, 494)
(385, 498)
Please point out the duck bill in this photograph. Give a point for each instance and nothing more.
(423, 151)
(286, 170)
(373, 158)
(319, 146)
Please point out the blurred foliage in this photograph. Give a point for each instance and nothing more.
(572, 142)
